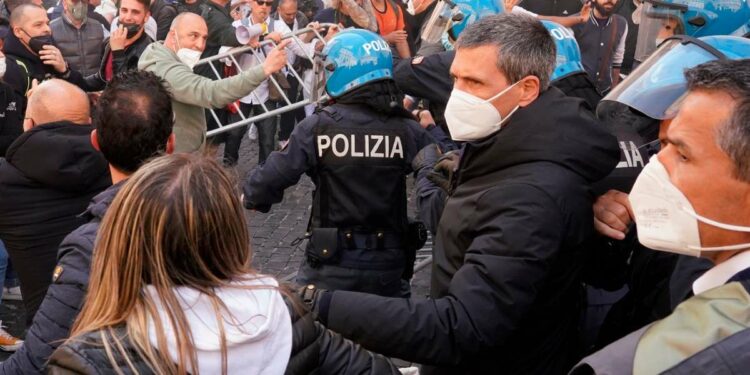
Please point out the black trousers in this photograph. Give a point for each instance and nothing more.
(290, 119)
(34, 266)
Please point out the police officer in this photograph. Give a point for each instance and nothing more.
(661, 19)
(358, 151)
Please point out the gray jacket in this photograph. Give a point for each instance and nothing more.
(82, 48)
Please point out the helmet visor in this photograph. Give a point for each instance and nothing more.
(657, 23)
(656, 86)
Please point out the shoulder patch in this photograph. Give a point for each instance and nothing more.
(56, 274)
(417, 60)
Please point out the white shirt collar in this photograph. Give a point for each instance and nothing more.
(720, 274)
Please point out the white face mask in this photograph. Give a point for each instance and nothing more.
(188, 56)
(665, 218)
(2, 67)
(470, 118)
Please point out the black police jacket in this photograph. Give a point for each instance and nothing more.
(358, 159)
(505, 275)
(427, 77)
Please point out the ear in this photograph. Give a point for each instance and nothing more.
(95, 140)
(170, 144)
(529, 90)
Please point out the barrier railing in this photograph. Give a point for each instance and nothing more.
(312, 90)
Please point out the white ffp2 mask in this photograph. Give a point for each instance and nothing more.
(665, 218)
(187, 56)
(470, 118)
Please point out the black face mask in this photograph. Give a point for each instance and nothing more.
(132, 29)
(37, 42)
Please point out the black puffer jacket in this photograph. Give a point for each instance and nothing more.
(506, 267)
(315, 350)
(64, 298)
(49, 175)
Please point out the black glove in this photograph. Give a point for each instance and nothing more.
(317, 300)
(443, 171)
(426, 157)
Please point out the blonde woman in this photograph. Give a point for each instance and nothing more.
(172, 290)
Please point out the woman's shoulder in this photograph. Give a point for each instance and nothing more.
(88, 354)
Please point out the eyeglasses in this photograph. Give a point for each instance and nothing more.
(266, 3)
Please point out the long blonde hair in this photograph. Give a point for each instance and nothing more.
(177, 221)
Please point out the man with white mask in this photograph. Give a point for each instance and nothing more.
(506, 262)
(677, 210)
(174, 60)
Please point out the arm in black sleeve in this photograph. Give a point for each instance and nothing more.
(54, 319)
(265, 185)
(517, 238)
(341, 356)
(443, 140)
(426, 77)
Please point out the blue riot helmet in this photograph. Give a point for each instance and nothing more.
(657, 86)
(661, 19)
(568, 53)
(453, 16)
(353, 58)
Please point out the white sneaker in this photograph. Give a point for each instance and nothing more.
(12, 294)
(253, 132)
(9, 343)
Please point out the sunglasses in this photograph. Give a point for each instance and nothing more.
(266, 3)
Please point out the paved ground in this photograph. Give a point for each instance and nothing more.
(272, 235)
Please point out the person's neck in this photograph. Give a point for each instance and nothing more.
(257, 19)
(76, 24)
(719, 257)
(116, 175)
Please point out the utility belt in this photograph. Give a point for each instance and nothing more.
(327, 245)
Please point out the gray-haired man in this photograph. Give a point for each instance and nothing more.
(505, 276)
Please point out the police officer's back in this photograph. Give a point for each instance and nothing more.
(358, 151)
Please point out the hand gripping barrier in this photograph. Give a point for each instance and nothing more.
(312, 86)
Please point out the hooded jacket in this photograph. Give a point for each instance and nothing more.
(506, 263)
(46, 180)
(23, 66)
(270, 338)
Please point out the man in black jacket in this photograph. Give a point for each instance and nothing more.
(31, 53)
(506, 274)
(46, 180)
(133, 123)
(124, 46)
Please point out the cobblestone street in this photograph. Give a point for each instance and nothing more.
(272, 234)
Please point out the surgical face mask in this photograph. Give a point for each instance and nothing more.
(471, 118)
(188, 56)
(665, 218)
(36, 43)
(79, 11)
(2, 67)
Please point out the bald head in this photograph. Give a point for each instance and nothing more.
(188, 30)
(57, 100)
(22, 12)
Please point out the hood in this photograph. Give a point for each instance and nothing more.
(101, 202)
(257, 325)
(155, 53)
(554, 128)
(14, 47)
(59, 154)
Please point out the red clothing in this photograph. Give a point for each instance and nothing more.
(109, 67)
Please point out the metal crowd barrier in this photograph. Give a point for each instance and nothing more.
(281, 107)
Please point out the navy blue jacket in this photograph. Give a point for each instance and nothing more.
(64, 299)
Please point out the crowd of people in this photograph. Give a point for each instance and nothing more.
(559, 151)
